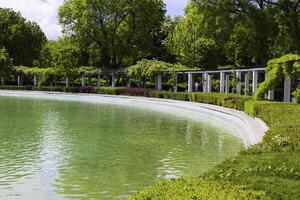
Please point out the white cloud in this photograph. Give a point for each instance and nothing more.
(44, 12)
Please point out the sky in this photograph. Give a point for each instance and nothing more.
(44, 12)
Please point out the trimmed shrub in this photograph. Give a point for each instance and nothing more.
(87, 89)
(183, 96)
(109, 90)
(10, 87)
(134, 91)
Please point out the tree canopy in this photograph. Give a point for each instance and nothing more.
(23, 39)
(123, 31)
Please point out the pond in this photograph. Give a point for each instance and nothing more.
(74, 150)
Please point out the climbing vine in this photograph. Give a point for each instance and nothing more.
(287, 65)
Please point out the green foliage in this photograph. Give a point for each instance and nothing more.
(117, 29)
(23, 39)
(287, 65)
(10, 87)
(196, 188)
(149, 68)
(5, 63)
(296, 94)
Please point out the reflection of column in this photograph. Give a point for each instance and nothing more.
(247, 84)
(255, 81)
(238, 84)
(209, 83)
(190, 82)
(287, 89)
(189, 134)
(227, 83)
(222, 82)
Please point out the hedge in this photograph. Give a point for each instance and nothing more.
(170, 95)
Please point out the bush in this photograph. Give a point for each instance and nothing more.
(296, 94)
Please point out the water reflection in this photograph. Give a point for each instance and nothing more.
(62, 150)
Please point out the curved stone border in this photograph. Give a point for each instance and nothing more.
(250, 130)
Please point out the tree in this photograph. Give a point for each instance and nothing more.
(23, 39)
(123, 31)
(5, 65)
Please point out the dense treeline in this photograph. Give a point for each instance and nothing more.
(117, 34)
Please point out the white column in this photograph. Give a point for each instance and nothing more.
(113, 80)
(205, 81)
(239, 85)
(128, 81)
(190, 82)
(19, 80)
(35, 80)
(3, 81)
(247, 84)
(67, 82)
(255, 81)
(209, 83)
(98, 79)
(158, 82)
(227, 77)
(222, 82)
(287, 89)
(82, 80)
(176, 83)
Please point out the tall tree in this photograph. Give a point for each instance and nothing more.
(23, 39)
(123, 30)
(5, 64)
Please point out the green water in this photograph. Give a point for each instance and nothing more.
(52, 150)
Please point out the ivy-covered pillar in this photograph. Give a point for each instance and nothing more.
(209, 83)
(222, 82)
(287, 89)
(238, 84)
(227, 79)
(113, 80)
(35, 80)
(190, 82)
(67, 82)
(158, 82)
(82, 80)
(255, 81)
(270, 94)
(128, 81)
